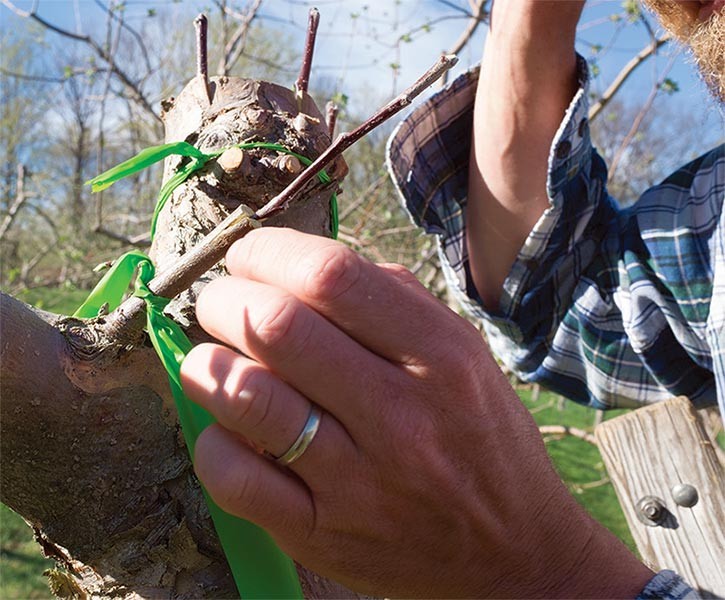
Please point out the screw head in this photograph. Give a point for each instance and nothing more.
(685, 495)
(650, 510)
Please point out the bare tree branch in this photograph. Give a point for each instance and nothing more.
(136, 35)
(135, 92)
(363, 197)
(20, 198)
(614, 164)
(479, 15)
(303, 81)
(235, 46)
(563, 430)
(455, 6)
(202, 64)
(141, 241)
(331, 112)
(102, 117)
(624, 74)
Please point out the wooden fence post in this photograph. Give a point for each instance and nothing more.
(661, 460)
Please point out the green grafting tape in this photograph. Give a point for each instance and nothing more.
(259, 568)
(154, 154)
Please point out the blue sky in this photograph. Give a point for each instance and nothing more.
(357, 44)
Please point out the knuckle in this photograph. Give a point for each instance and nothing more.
(402, 274)
(251, 399)
(278, 322)
(241, 491)
(333, 270)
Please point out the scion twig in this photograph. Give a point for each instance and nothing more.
(331, 111)
(202, 65)
(345, 140)
(303, 81)
(211, 249)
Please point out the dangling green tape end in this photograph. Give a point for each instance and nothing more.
(259, 568)
(334, 217)
(143, 159)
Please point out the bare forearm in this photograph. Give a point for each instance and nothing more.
(528, 78)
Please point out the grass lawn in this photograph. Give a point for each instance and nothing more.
(21, 564)
(578, 463)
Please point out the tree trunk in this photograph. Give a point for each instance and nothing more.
(91, 451)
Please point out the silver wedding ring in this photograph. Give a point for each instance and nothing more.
(305, 438)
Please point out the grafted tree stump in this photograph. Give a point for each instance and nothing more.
(91, 450)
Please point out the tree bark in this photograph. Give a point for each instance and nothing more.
(91, 453)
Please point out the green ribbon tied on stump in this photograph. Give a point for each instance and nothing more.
(260, 569)
(198, 159)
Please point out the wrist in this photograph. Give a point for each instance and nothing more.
(602, 568)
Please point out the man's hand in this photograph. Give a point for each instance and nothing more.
(427, 476)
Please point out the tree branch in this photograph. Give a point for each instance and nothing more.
(141, 241)
(303, 81)
(331, 111)
(202, 63)
(136, 35)
(562, 430)
(20, 198)
(637, 122)
(478, 15)
(234, 48)
(624, 74)
(136, 93)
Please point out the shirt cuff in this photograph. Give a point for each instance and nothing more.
(667, 585)
(428, 158)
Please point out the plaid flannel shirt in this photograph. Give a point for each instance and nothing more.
(610, 307)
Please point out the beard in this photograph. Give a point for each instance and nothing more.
(706, 40)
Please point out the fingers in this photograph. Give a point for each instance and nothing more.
(383, 308)
(298, 345)
(246, 484)
(246, 398)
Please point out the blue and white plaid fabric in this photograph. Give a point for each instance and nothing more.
(610, 307)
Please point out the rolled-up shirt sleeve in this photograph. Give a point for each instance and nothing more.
(587, 308)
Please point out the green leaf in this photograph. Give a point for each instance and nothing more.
(340, 99)
(143, 159)
(669, 86)
(632, 9)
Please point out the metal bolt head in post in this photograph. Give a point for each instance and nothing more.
(685, 495)
(650, 510)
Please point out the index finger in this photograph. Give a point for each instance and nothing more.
(384, 308)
